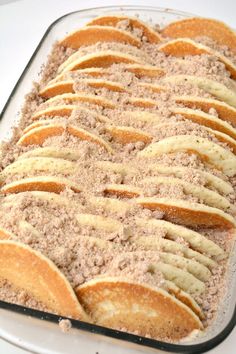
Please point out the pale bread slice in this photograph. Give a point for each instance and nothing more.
(139, 70)
(93, 72)
(197, 26)
(197, 269)
(121, 168)
(111, 205)
(42, 164)
(184, 297)
(183, 279)
(117, 303)
(184, 46)
(37, 136)
(115, 49)
(207, 120)
(51, 151)
(122, 190)
(112, 20)
(48, 197)
(213, 87)
(224, 138)
(41, 183)
(86, 36)
(221, 137)
(197, 241)
(99, 222)
(211, 181)
(102, 59)
(142, 116)
(208, 196)
(208, 151)
(43, 280)
(126, 135)
(155, 243)
(188, 213)
(224, 111)
(78, 98)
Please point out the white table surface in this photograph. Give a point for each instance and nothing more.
(23, 23)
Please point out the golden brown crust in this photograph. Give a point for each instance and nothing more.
(93, 34)
(149, 311)
(225, 111)
(191, 214)
(183, 46)
(207, 120)
(41, 183)
(197, 26)
(151, 35)
(43, 280)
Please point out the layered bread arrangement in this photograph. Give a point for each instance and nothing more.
(117, 188)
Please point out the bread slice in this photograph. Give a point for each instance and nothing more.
(189, 213)
(37, 136)
(78, 98)
(213, 87)
(102, 59)
(119, 303)
(36, 164)
(112, 20)
(122, 190)
(211, 181)
(197, 26)
(99, 222)
(43, 281)
(90, 35)
(155, 243)
(51, 151)
(40, 183)
(181, 47)
(126, 135)
(209, 152)
(208, 196)
(224, 110)
(206, 120)
(196, 241)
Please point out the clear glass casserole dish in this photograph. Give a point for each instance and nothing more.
(26, 327)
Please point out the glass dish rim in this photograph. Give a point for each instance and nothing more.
(92, 328)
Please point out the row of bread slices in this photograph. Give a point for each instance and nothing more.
(64, 105)
(185, 268)
(214, 208)
(104, 29)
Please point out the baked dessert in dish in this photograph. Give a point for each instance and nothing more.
(118, 185)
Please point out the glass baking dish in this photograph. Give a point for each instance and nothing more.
(37, 331)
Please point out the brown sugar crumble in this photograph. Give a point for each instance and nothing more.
(65, 325)
(94, 135)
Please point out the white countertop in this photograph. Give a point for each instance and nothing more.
(23, 23)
